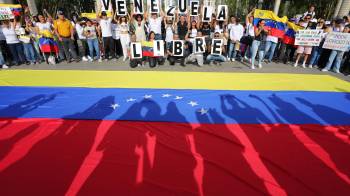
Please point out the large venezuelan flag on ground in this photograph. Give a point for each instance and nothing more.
(169, 133)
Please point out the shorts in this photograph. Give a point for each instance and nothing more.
(304, 49)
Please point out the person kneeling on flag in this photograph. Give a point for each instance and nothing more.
(172, 57)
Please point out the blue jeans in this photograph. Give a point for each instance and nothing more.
(93, 46)
(215, 57)
(338, 56)
(270, 46)
(2, 60)
(158, 37)
(17, 53)
(255, 49)
(232, 52)
(316, 53)
(29, 52)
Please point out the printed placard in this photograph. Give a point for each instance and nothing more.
(337, 41)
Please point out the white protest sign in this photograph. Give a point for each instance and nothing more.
(178, 48)
(136, 50)
(199, 45)
(170, 11)
(154, 7)
(222, 12)
(106, 5)
(216, 46)
(195, 8)
(182, 6)
(158, 48)
(337, 41)
(207, 13)
(138, 6)
(308, 37)
(121, 8)
(6, 13)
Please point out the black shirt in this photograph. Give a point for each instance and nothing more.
(182, 30)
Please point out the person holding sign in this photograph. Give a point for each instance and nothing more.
(176, 51)
(135, 52)
(217, 49)
(337, 56)
(306, 50)
(138, 22)
(198, 50)
(155, 24)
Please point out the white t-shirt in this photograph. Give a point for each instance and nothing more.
(236, 32)
(80, 31)
(271, 38)
(250, 30)
(106, 27)
(10, 35)
(169, 34)
(229, 26)
(44, 26)
(155, 25)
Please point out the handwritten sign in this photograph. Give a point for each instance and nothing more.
(308, 37)
(337, 41)
(6, 13)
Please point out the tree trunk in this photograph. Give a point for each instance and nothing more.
(277, 6)
(344, 9)
(32, 7)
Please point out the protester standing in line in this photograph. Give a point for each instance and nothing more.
(13, 42)
(91, 33)
(260, 36)
(65, 33)
(107, 37)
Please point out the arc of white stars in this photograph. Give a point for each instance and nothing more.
(193, 103)
(147, 96)
(178, 98)
(115, 106)
(166, 95)
(130, 100)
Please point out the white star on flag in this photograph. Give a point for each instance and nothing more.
(178, 98)
(115, 106)
(130, 100)
(203, 111)
(193, 103)
(147, 96)
(166, 95)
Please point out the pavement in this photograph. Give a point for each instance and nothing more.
(227, 67)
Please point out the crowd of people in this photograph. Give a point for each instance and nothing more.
(41, 38)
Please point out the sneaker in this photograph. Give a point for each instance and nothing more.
(336, 71)
(303, 65)
(100, 60)
(296, 64)
(233, 60)
(260, 65)
(310, 66)
(124, 59)
(229, 59)
(242, 60)
(85, 59)
(252, 67)
(89, 58)
(324, 70)
(246, 58)
(4, 66)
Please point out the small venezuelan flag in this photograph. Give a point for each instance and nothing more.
(272, 22)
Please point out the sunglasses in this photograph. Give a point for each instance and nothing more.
(308, 18)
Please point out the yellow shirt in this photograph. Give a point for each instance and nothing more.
(63, 27)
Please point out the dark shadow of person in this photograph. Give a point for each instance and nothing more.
(50, 166)
(165, 164)
(226, 171)
(17, 110)
(323, 152)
